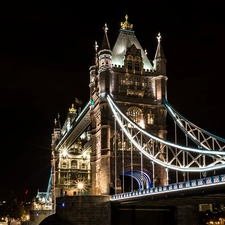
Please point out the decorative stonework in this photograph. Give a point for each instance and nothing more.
(126, 25)
(138, 93)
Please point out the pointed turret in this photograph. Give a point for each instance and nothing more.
(105, 65)
(93, 69)
(160, 67)
(105, 42)
(124, 42)
(105, 53)
(160, 59)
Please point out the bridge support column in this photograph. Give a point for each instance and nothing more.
(187, 214)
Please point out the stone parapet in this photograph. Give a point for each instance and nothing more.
(84, 210)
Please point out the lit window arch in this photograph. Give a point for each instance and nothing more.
(135, 114)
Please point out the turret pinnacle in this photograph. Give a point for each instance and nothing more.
(57, 122)
(105, 42)
(96, 46)
(160, 59)
(96, 54)
(126, 25)
(159, 51)
(72, 109)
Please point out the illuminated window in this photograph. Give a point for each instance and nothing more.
(151, 117)
(127, 81)
(137, 81)
(135, 114)
(143, 82)
(122, 80)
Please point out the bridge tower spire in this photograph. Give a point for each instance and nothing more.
(160, 59)
(160, 68)
(93, 148)
(100, 85)
(137, 85)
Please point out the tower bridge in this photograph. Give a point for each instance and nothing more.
(117, 144)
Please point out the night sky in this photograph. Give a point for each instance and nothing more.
(45, 53)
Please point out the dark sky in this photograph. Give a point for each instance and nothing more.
(45, 53)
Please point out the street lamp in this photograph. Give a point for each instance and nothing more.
(80, 186)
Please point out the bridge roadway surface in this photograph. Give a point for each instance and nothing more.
(188, 196)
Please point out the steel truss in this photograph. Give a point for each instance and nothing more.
(171, 155)
(203, 139)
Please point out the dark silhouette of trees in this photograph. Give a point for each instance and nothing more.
(11, 210)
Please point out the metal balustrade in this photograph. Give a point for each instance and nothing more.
(198, 183)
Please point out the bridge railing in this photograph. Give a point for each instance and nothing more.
(197, 183)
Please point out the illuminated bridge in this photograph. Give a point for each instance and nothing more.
(116, 148)
(182, 161)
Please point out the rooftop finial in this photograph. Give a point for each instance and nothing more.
(105, 28)
(96, 46)
(159, 37)
(126, 25)
(72, 110)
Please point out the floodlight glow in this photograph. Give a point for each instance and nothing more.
(80, 186)
(142, 123)
(64, 153)
(84, 155)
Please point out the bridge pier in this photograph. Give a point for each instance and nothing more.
(134, 215)
(84, 210)
(99, 210)
(187, 214)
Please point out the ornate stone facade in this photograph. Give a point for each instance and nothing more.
(89, 148)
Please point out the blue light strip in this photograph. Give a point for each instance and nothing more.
(137, 175)
(176, 187)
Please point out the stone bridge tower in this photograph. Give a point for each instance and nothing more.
(138, 86)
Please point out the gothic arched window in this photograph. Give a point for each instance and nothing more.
(135, 114)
